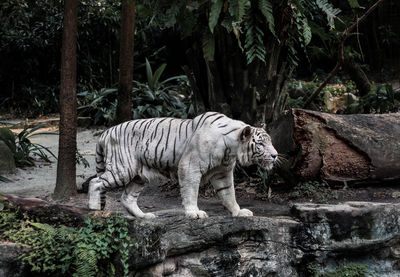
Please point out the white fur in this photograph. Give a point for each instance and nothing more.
(194, 151)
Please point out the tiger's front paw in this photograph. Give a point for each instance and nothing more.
(196, 214)
(244, 212)
(149, 216)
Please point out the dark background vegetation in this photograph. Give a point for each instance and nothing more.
(30, 33)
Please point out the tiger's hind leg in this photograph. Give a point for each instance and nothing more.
(130, 196)
(96, 194)
(98, 187)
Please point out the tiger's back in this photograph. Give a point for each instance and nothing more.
(143, 146)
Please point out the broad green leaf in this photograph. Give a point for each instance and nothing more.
(157, 75)
(149, 73)
(208, 46)
(354, 4)
(216, 7)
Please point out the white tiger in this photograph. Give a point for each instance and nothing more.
(195, 151)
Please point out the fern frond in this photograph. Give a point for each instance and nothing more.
(237, 9)
(266, 9)
(43, 226)
(215, 10)
(254, 41)
(85, 262)
(329, 10)
(306, 31)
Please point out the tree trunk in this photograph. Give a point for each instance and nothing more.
(358, 76)
(124, 107)
(66, 166)
(41, 209)
(357, 149)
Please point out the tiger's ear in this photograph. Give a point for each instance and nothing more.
(245, 134)
(263, 126)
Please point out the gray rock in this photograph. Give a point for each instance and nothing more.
(354, 232)
(325, 236)
(7, 162)
(216, 246)
(10, 265)
(321, 237)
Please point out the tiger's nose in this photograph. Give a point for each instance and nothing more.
(274, 156)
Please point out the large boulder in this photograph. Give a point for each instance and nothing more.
(10, 265)
(316, 238)
(313, 240)
(7, 141)
(7, 162)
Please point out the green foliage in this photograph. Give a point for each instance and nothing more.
(350, 270)
(23, 149)
(30, 46)
(167, 98)
(304, 90)
(266, 9)
(354, 4)
(254, 43)
(380, 100)
(83, 251)
(265, 184)
(215, 10)
(320, 191)
(99, 104)
(153, 98)
(329, 10)
(251, 22)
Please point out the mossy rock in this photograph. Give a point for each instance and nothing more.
(7, 162)
(7, 136)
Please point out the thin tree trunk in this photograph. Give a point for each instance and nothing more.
(66, 166)
(357, 75)
(124, 108)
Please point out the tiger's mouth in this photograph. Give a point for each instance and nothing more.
(267, 164)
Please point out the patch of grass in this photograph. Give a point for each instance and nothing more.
(350, 270)
(318, 191)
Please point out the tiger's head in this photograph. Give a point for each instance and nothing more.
(256, 148)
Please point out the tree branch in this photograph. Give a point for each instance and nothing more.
(340, 61)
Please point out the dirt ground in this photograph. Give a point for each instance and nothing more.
(163, 198)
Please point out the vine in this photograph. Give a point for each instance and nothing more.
(88, 250)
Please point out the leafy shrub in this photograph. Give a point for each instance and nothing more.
(99, 104)
(351, 270)
(380, 100)
(30, 51)
(153, 98)
(23, 149)
(320, 191)
(299, 91)
(88, 250)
